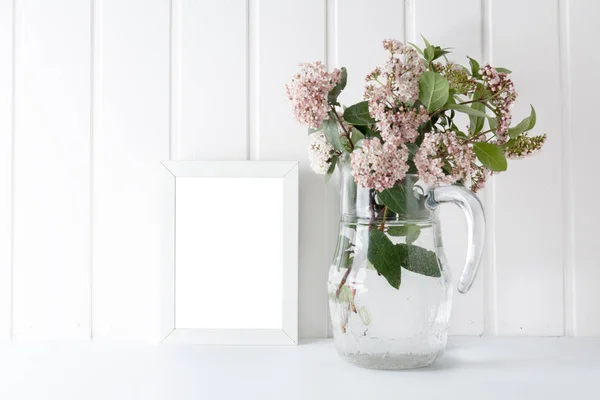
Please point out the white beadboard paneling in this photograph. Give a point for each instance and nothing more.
(488, 198)
(456, 24)
(165, 70)
(360, 49)
(585, 85)
(131, 137)
(290, 33)
(529, 227)
(6, 74)
(52, 199)
(332, 192)
(567, 171)
(210, 93)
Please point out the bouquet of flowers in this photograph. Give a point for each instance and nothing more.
(406, 123)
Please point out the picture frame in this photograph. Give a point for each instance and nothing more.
(210, 295)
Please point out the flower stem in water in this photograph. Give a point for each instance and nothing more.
(385, 211)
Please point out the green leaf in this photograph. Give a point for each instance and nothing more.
(426, 127)
(331, 169)
(504, 70)
(399, 230)
(343, 250)
(429, 53)
(417, 48)
(509, 144)
(438, 52)
(474, 67)
(525, 125)
(384, 256)
(330, 129)
(313, 130)
(335, 92)
(358, 114)
(476, 123)
(426, 41)
(344, 296)
(465, 69)
(365, 130)
(493, 123)
(401, 199)
(356, 135)
(412, 234)
(532, 118)
(394, 198)
(463, 108)
(346, 253)
(419, 260)
(491, 156)
(412, 149)
(433, 90)
(411, 231)
(451, 96)
(365, 315)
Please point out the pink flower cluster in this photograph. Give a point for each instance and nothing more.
(308, 92)
(504, 93)
(441, 149)
(402, 70)
(458, 77)
(397, 125)
(382, 159)
(319, 153)
(389, 88)
(379, 166)
(479, 177)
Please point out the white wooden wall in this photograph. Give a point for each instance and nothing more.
(93, 94)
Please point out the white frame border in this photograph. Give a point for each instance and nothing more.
(288, 171)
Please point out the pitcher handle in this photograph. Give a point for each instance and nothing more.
(471, 206)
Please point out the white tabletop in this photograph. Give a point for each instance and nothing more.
(472, 368)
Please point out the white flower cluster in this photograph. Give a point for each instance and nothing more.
(319, 153)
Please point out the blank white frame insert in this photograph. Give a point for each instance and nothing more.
(230, 252)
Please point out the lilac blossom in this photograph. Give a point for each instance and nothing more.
(440, 149)
(479, 177)
(378, 165)
(504, 95)
(308, 92)
(390, 89)
(320, 153)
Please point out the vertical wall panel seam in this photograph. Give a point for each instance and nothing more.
(332, 32)
(330, 65)
(248, 133)
(12, 171)
(91, 172)
(569, 264)
(490, 284)
(410, 33)
(326, 35)
(175, 65)
(96, 88)
(170, 79)
(254, 79)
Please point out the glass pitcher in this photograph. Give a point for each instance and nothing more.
(389, 283)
